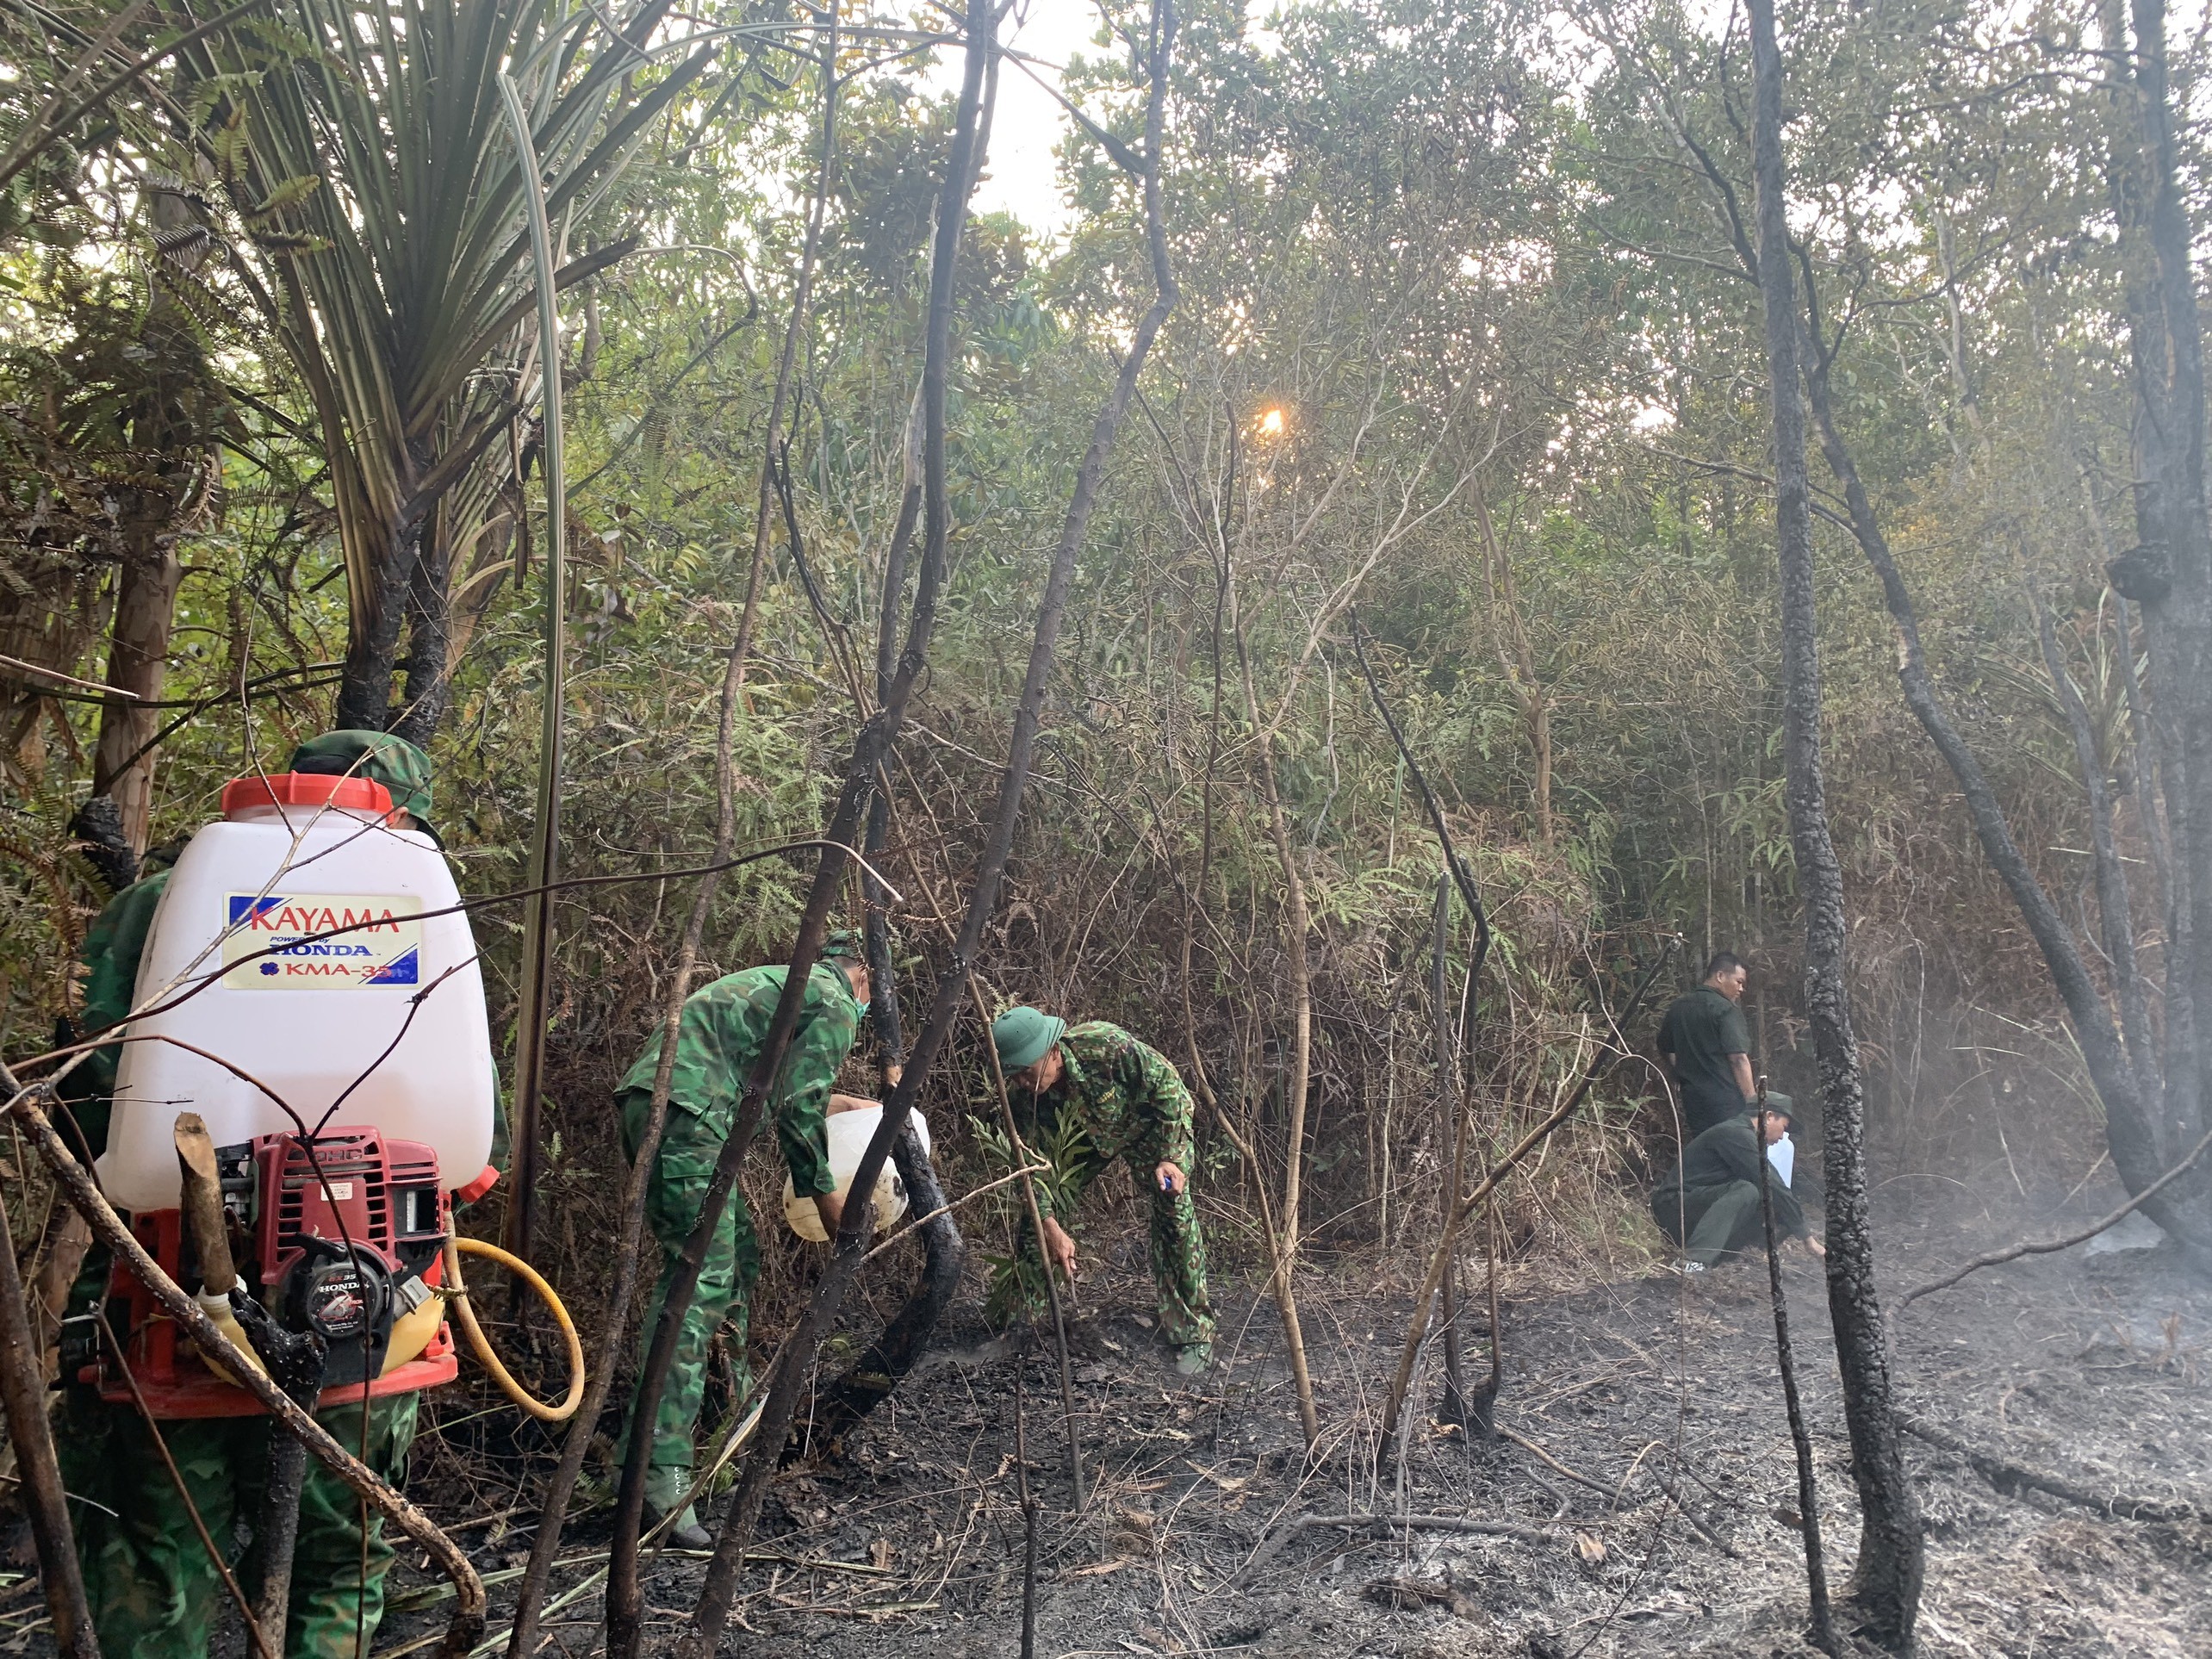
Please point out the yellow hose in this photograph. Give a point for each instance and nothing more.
(456, 1297)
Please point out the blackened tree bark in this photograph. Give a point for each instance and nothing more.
(1885, 1595)
(1454, 1407)
(2117, 1071)
(892, 1354)
(2169, 574)
(626, 1605)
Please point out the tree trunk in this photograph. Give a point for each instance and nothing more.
(891, 1355)
(30, 1435)
(712, 1612)
(1885, 1596)
(1517, 657)
(2114, 901)
(145, 587)
(2130, 1126)
(138, 663)
(625, 1599)
(1454, 1408)
(372, 646)
(429, 636)
(1297, 923)
(2170, 575)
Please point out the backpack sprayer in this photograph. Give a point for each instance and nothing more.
(289, 1116)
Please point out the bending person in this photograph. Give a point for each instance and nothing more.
(1127, 1103)
(720, 1038)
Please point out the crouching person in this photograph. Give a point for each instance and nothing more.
(1709, 1202)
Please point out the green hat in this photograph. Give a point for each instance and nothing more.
(1022, 1035)
(403, 769)
(1778, 1104)
(843, 945)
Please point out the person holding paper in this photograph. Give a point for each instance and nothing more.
(1708, 1202)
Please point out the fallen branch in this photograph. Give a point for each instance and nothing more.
(1274, 1543)
(1546, 1458)
(1612, 1494)
(2047, 1247)
(2010, 1477)
(1681, 1504)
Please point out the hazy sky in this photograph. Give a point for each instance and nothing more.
(1029, 122)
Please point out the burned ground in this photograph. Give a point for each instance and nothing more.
(1659, 1395)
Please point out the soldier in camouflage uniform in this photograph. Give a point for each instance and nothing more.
(724, 1027)
(1129, 1103)
(152, 1588)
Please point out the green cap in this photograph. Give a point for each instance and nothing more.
(843, 945)
(1022, 1035)
(403, 769)
(1778, 1104)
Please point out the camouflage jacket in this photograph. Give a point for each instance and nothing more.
(1126, 1096)
(718, 1039)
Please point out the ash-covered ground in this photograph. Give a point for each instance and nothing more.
(1664, 1523)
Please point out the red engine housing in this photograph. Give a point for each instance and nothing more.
(300, 1209)
(381, 1195)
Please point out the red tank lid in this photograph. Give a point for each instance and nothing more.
(308, 789)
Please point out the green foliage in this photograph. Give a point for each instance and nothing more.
(1491, 296)
(1016, 1287)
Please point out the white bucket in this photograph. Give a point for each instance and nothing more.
(311, 1017)
(850, 1135)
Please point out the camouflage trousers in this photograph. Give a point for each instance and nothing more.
(1177, 1247)
(673, 1199)
(152, 1588)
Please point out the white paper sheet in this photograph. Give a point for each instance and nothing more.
(1783, 1156)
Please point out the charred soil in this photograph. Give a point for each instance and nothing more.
(1659, 1518)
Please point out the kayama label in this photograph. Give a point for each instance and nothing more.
(321, 941)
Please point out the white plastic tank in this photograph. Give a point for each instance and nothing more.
(850, 1135)
(261, 921)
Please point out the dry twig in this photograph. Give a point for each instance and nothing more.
(1275, 1541)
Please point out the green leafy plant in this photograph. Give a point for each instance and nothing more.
(1017, 1278)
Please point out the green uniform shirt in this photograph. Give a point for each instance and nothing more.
(1703, 1032)
(1128, 1099)
(718, 1041)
